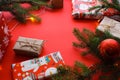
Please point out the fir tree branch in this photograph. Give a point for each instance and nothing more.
(85, 70)
(89, 33)
(20, 13)
(79, 45)
(80, 36)
(115, 4)
(95, 7)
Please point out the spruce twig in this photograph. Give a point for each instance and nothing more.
(110, 70)
(115, 4)
(20, 13)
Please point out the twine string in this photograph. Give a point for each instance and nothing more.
(26, 43)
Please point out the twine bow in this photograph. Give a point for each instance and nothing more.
(108, 25)
(26, 43)
(112, 27)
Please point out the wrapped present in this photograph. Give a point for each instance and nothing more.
(110, 25)
(57, 3)
(81, 9)
(38, 68)
(4, 35)
(28, 47)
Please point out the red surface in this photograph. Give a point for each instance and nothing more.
(56, 29)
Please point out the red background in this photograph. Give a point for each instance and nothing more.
(56, 29)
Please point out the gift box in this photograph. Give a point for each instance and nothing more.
(57, 3)
(4, 35)
(80, 9)
(38, 68)
(110, 25)
(28, 47)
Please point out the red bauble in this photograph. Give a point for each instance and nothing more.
(109, 48)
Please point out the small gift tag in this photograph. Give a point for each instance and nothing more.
(28, 46)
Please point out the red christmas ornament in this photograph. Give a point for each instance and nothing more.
(109, 49)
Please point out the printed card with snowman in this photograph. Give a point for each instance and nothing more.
(38, 68)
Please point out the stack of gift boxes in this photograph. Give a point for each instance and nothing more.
(80, 10)
(37, 68)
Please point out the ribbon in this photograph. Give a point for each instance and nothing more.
(108, 23)
(112, 28)
(105, 27)
(26, 43)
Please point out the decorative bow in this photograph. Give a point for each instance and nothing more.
(26, 43)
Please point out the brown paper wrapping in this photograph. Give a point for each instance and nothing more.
(110, 25)
(28, 46)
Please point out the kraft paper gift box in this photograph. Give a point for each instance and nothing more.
(28, 47)
(38, 68)
(110, 25)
